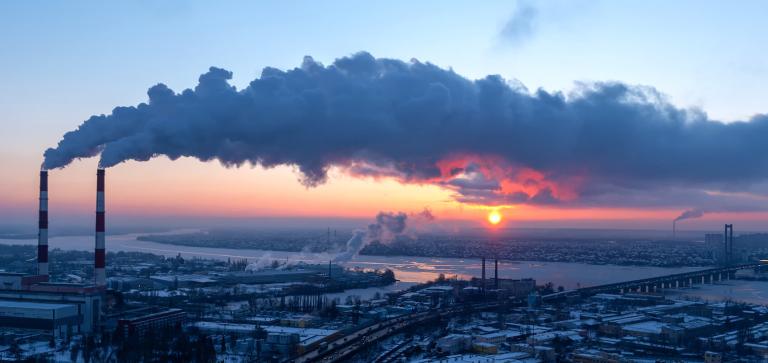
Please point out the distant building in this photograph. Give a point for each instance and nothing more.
(519, 287)
(714, 239)
(177, 281)
(281, 340)
(139, 323)
(284, 344)
(713, 357)
(485, 348)
(596, 356)
(454, 343)
(19, 281)
(534, 299)
(126, 283)
(747, 247)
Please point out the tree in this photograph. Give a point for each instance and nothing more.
(440, 278)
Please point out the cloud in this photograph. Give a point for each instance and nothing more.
(521, 25)
(488, 140)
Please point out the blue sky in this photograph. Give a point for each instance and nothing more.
(64, 61)
(83, 57)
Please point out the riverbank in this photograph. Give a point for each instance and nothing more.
(407, 269)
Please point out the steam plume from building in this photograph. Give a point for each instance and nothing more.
(688, 214)
(387, 227)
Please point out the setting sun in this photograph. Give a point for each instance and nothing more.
(494, 217)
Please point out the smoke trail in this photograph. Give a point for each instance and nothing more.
(489, 140)
(690, 214)
(386, 228)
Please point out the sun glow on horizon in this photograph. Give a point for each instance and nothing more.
(494, 217)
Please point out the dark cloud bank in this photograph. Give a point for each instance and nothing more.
(490, 140)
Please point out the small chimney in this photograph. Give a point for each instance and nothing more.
(42, 234)
(329, 270)
(483, 276)
(674, 229)
(100, 275)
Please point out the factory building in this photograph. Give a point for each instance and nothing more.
(87, 302)
(18, 281)
(31, 301)
(59, 320)
(140, 323)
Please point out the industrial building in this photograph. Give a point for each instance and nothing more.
(140, 322)
(32, 302)
(59, 320)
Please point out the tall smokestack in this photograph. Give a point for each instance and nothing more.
(483, 275)
(674, 229)
(100, 275)
(496, 274)
(42, 234)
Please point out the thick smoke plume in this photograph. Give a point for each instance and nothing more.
(387, 227)
(489, 140)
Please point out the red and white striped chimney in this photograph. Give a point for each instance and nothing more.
(42, 234)
(100, 275)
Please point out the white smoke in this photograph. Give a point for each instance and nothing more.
(386, 228)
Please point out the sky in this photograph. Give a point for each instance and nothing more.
(63, 62)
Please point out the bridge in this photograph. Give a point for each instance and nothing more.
(652, 284)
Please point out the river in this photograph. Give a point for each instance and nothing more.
(407, 269)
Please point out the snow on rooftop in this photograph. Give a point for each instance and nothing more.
(646, 327)
(306, 335)
(32, 305)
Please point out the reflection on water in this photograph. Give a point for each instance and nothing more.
(407, 269)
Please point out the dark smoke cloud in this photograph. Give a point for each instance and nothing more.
(489, 140)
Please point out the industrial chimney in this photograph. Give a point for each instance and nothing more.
(674, 229)
(42, 234)
(483, 276)
(496, 274)
(100, 275)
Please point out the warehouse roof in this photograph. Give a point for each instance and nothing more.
(31, 305)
